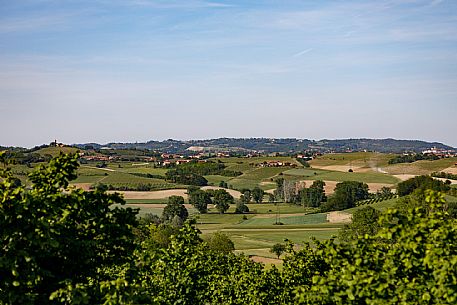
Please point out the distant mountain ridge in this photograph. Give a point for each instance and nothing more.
(280, 145)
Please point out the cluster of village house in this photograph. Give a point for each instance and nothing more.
(176, 159)
(276, 164)
(441, 153)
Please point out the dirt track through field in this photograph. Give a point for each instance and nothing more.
(100, 168)
(404, 177)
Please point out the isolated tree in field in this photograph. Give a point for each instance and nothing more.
(54, 236)
(220, 242)
(279, 192)
(175, 206)
(278, 249)
(257, 194)
(241, 207)
(222, 199)
(289, 190)
(364, 221)
(247, 195)
(200, 200)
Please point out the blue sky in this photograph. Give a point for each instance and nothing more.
(136, 70)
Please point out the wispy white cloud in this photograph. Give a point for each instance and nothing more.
(171, 4)
(302, 52)
(436, 2)
(30, 23)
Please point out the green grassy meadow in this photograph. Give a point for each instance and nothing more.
(422, 167)
(315, 174)
(359, 159)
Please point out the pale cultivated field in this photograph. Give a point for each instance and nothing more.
(265, 260)
(342, 168)
(404, 177)
(339, 217)
(234, 193)
(451, 170)
(152, 195)
(163, 194)
(156, 194)
(84, 186)
(156, 206)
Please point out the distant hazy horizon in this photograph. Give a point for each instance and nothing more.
(204, 139)
(136, 70)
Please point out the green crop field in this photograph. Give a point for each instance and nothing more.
(262, 173)
(361, 177)
(55, 151)
(144, 170)
(382, 206)
(248, 240)
(422, 167)
(268, 208)
(316, 174)
(287, 220)
(216, 179)
(360, 159)
(260, 177)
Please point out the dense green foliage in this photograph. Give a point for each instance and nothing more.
(421, 183)
(220, 242)
(314, 195)
(412, 158)
(200, 200)
(222, 200)
(53, 236)
(346, 195)
(177, 176)
(412, 260)
(175, 207)
(278, 249)
(241, 206)
(364, 221)
(206, 168)
(444, 175)
(257, 194)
